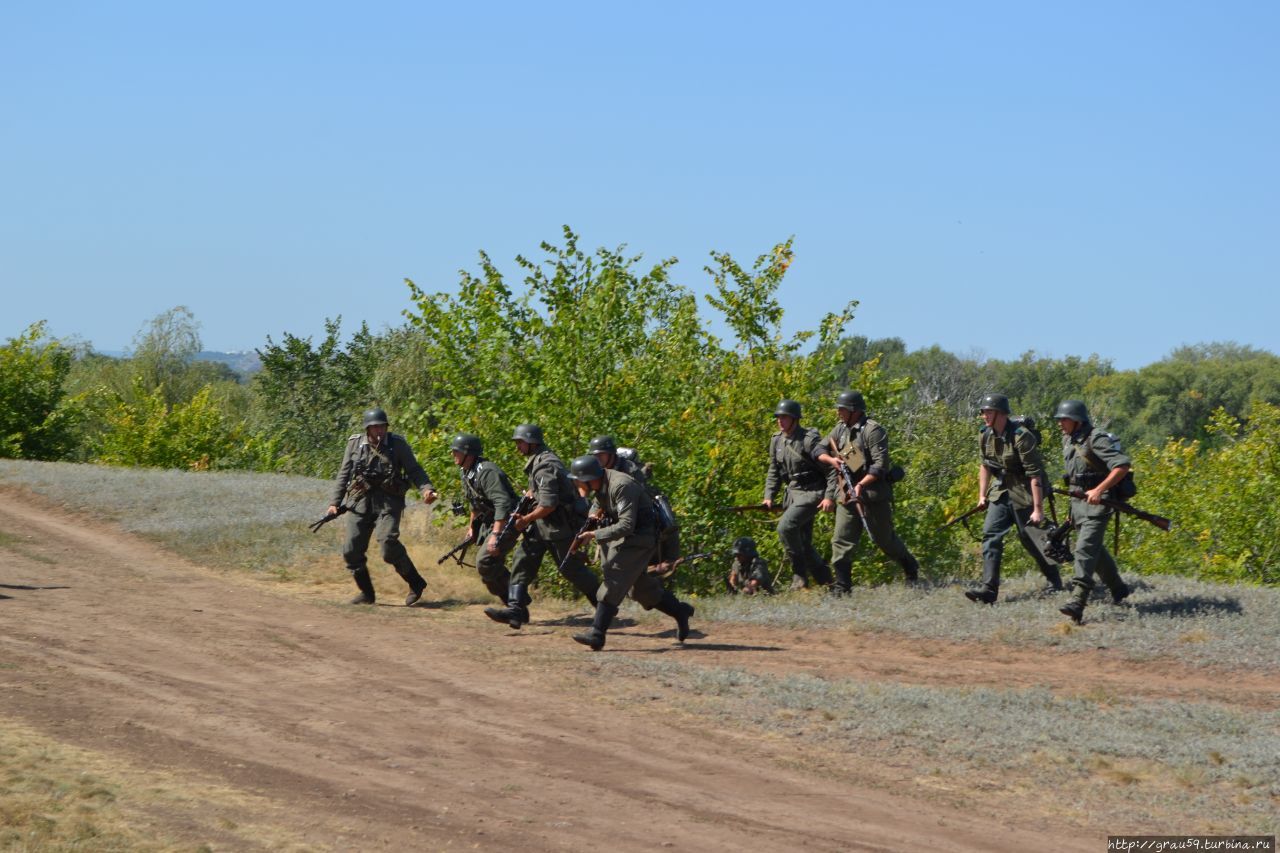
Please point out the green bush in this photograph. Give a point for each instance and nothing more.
(37, 419)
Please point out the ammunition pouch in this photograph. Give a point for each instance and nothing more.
(895, 474)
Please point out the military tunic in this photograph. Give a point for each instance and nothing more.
(1089, 455)
(864, 447)
(793, 462)
(388, 469)
(627, 541)
(488, 491)
(755, 569)
(550, 485)
(1013, 459)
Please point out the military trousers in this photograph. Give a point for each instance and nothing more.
(624, 566)
(527, 558)
(1091, 554)
(848, 535)
(492, 567)
(1002, 516)
(795, 532)
(379, 515)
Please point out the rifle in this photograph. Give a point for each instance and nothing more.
(963, 516)
(846, 476)
(664, 570)
(355, 490)
(1158, 520)
(460, 550)
(751, 508)
(592, 522)
(508, 533)
(862, 516)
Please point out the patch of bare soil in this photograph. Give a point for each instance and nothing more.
(366, 728)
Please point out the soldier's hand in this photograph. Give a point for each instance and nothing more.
(1093, 496)
(982, 502)
(767, 504)
(583, 538)
(491, 544)
(429, 496)
(827, 505)
(1037, 517)
(521, 523)
(332, 510)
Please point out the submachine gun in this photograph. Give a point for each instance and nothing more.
(356, 489)
(505, 538)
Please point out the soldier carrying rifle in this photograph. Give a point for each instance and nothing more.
(857, 448)
(493, 507)
(377, 468)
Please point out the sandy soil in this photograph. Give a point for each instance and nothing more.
(421, 728)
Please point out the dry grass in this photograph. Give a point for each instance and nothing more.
(55, 797)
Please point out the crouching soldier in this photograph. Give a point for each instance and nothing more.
(749, 573)
(627, 537)
(377, 467)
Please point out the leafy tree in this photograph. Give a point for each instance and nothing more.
(37, 420)
(307, 398)
(153, 433)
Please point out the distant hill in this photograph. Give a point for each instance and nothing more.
(243, 363)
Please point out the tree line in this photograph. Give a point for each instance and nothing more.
(591, 342)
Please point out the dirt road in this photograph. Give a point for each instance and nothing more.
(365, 728)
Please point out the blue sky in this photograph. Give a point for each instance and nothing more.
(990, 177)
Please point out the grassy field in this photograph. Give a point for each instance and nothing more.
(1139, 759)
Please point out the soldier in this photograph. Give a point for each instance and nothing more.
(861, 445)
(488, 491)
(1011, 487)
(810, 488)
(749, 573)
(627, 460)
(377, 467)
(627, 539)
(1095, 463)
(550, 526)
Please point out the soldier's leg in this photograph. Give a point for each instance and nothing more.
(1091, 533)
(575, 570)
(1109, 573)
(844, 544)
(795, 532)
(995, 525)
(387, 532)
(492, 567)
(649, 592)
(354, 547)
(621, 567)
(1047, 567)
(527, 556)
(880, 520)
(818, 568)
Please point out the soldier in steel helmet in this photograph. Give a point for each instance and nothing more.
(627, 537)
(379, 465)
(862, 445)
(549, 526)
(793, 462)
(1011, 487)
(1095, 464)
(488, 491)
(627, 460)
(748, 573)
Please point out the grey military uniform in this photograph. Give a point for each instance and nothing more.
(627, 541)
(864, 447)
(488, 490)
(1089, 455)
(389, 470)
(1013, 459)
(668, 547)
(793, 462)
(550, 485)
(753, 569)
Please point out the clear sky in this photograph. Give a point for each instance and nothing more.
(991, 177)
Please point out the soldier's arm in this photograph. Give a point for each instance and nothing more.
(878, 450)
(772, 479)
(1033, 465)
(343, 479)
(626, 507)
(414, 471)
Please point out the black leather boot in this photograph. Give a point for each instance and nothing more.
(599, 626)
(365, 584)
(910, 568)
(677, 610)
(515, 613)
